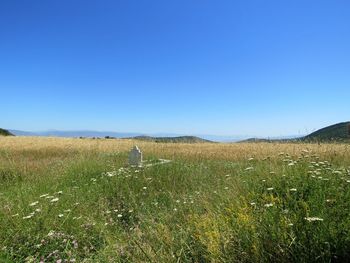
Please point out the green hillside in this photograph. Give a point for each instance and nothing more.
(179, 139)
(4, 132)
(336, 132)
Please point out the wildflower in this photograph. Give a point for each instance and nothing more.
(252, 203)
(175, 209)
(34, 203)
(290, 224)
(119, 215)
(312, 219)
(144, 188)
(75, 244)
(270, 189)
(226, 188)
(60, 215)
(54, 200)
(110, 174)
(177, 201)
(268, 205)
(51, 233)
(293, 189)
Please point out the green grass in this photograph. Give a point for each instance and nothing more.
(189, 210)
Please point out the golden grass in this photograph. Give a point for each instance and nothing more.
(51, 146)
(45, 150)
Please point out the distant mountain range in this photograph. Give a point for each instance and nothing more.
(56, 133)
(102, 134)
(336, 132)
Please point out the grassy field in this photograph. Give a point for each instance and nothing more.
(76, 200)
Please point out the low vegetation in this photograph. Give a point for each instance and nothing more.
(71, 200)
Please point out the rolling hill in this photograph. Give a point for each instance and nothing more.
(339, 132)
(336, 132)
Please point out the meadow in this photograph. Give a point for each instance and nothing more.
(77, 200)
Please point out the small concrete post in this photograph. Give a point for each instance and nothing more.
(135, 156)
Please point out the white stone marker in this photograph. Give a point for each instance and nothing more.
(135, 156)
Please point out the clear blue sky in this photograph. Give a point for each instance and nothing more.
(265, 68)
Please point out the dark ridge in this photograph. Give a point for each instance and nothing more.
(336, 132)
(4, 132)
(339, 132)
(257, 140)
(179, 139)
